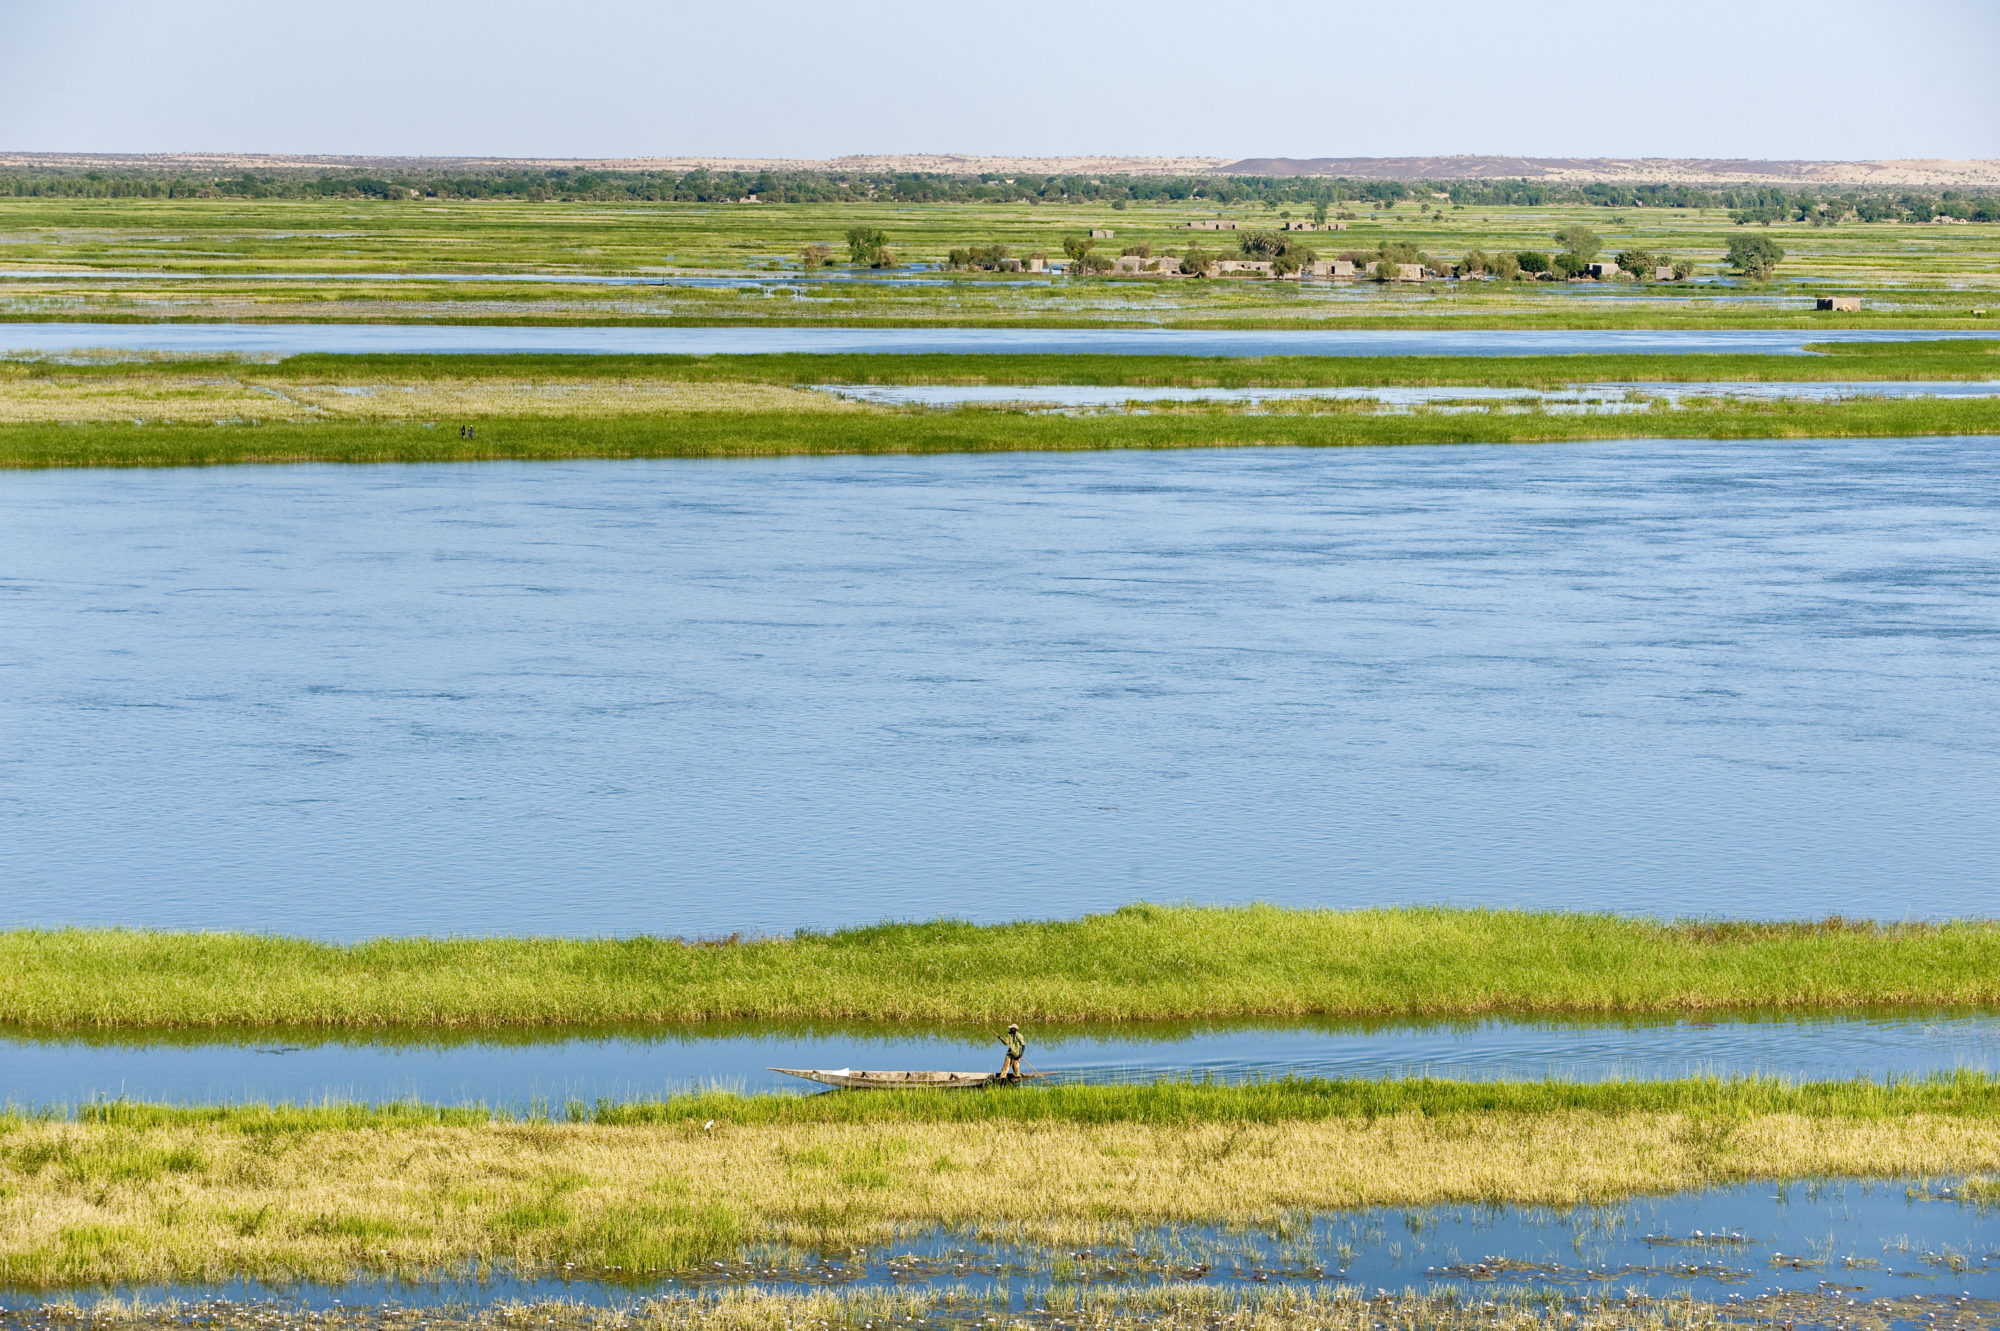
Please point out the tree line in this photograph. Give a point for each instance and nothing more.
(1754, 256)
(1747, 204)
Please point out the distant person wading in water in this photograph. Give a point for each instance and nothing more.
(1016, 1047)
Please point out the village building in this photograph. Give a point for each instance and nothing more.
(1102, 233)
(1839, 304)
(1257, 267)
(1663, 273)
(1403, 272)
(1211, 224)
(1330, 268)
(1602, 271)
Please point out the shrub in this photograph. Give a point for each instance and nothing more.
(1580, 241)
(1639, 263)
(868, 247)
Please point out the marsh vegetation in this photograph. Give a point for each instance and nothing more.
(1139, 963)
(124, 1193)
(362, 259)
(370, 408)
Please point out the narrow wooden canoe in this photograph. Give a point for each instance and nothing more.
(854, 1079)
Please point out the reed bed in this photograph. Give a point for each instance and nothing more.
(1140, 963)
(137, 1194)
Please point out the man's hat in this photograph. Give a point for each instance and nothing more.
(1012, 1027)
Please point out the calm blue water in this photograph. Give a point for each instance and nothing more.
(553, 1069)
(293, 339)
(683, 697)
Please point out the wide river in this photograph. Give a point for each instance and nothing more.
(1742, 678)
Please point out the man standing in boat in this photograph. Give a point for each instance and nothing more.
(1016, 1047)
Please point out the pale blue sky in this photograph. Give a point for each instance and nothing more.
(781, 78)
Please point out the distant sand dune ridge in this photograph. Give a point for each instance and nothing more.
(1924, 172)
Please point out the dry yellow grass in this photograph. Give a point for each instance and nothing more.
(88, 1203)
(162, 394)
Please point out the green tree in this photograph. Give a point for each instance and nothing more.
(1755, 257)
(1263, 244)
(1319, 211)
(816, 255)
(1294, 258)
(1196, 262)
(1569, 264)
(1532, 261)
(1580, 241)
(1077, 246)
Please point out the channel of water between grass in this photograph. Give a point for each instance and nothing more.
(553, 1067)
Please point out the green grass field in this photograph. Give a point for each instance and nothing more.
(1141, 963)
(747, 434)
(226, 259)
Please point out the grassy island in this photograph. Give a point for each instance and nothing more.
(1140, 963)
(121, 1193)
(386, 409)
